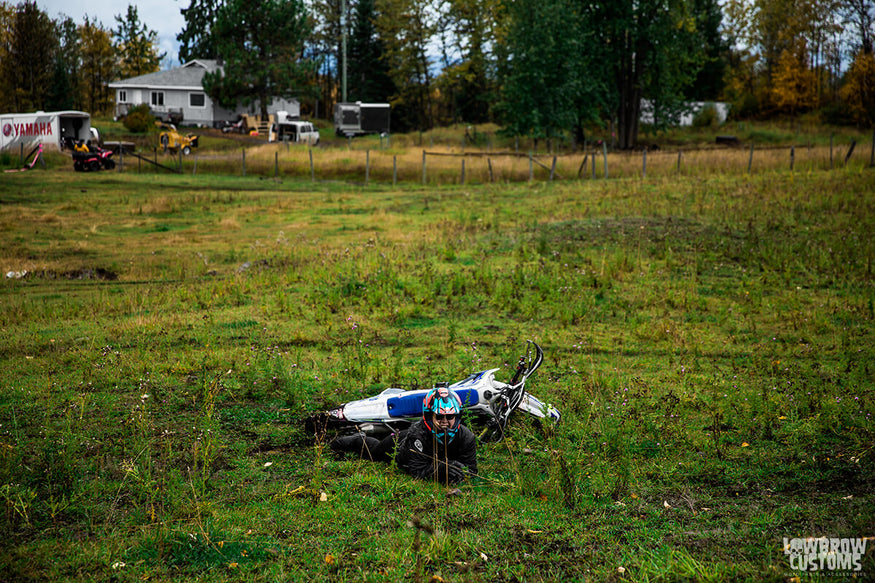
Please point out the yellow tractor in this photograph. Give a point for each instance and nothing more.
(172, 141)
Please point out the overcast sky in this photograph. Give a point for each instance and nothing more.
(162, 16)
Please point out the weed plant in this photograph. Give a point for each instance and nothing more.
(708, 340)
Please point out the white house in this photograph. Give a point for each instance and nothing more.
(685, 119)
(178, 95)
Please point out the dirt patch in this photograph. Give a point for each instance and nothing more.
(84, 273)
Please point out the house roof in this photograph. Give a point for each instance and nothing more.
(188, 76)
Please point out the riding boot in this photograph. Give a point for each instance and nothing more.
(358, 443)
(354, 443)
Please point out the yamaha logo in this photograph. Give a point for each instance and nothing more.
(7, 129)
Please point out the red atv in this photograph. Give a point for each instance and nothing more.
(93, 160)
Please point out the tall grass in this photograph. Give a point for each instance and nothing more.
(457, 165)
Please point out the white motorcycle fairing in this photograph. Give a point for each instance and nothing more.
(477, 393)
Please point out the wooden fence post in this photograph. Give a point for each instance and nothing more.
(312, 169)
(276, 164)
(644, 164)
(679, 162)
(489, 163)
(463, 171)
(792, 156)
(531, 167)
(553, 169)
(593, 163)
(851, 151)
(423, 168)
(605, 154)
(394, 170)
(367, 166)
(582, 165)
(750, 160)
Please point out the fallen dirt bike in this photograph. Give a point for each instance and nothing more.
(485, 400)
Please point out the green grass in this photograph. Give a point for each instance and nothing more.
(709, 341)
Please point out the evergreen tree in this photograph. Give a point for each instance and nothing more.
(136, 45)
(7, 23)
(27, 67)
(407, 28)
(368, 75)
(64, 92)
(261, 43)
(196, 39)
(709, 82)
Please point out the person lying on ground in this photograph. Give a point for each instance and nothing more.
(437, 447)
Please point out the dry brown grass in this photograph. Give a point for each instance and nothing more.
(451, 164)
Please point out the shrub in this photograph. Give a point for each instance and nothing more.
(706, 117)
(838, 114)
(745, 107)
(139, 119)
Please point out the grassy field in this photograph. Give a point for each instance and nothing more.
(708, 339)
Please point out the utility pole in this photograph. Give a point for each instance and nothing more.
(343, 36)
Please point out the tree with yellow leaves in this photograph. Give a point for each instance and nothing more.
(794, 87)
(858, 93)
(98, 66)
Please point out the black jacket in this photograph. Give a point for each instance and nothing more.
(421, 455)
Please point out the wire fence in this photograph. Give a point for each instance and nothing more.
(470, 166)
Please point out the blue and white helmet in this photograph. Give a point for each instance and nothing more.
(442, 401)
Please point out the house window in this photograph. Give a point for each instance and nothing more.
(122, 96)
(197, 99)
(158, 98)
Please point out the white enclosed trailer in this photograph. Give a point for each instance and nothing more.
(51, 128)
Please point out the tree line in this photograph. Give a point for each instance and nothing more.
(544, 69)
(50, 65)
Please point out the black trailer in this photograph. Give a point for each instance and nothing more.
(352, 119)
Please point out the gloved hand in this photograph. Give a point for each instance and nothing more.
(456, 471)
